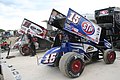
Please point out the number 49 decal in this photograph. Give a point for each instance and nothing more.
(74, 17)
(50, 58)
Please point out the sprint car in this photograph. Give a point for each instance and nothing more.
(81, 44)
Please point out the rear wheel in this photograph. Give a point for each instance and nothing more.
(109, 56)
(25, 50)
(71, 64)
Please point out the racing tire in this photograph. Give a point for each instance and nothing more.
(109, 56)
(25, 50)
(71, 64)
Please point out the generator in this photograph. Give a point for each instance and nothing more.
(109, 20)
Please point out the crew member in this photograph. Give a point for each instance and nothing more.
(58, 39)
(32, 45)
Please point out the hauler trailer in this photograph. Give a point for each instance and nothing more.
(109, 20)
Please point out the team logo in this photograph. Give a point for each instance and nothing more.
(87, 28)
(36, 29)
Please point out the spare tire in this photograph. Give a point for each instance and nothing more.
(71, 64)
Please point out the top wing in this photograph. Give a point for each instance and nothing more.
(80, 26)
(33, 28)
(57, 19)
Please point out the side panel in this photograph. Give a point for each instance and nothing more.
(50, 56)
(77, 24)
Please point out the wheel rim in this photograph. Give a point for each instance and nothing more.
(111, 56)
(76, 66)
(25, 49)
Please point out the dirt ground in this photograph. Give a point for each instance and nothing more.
(29, 70)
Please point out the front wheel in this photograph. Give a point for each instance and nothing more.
(109, 56)
(71, 64)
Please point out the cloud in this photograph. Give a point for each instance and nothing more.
(14, 11)
(11, 15)
(6, 2)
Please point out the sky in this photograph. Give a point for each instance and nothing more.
(13, 12)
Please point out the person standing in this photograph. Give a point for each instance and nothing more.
(58, 40)
(31, 44)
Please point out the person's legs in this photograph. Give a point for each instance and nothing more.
(32, 50)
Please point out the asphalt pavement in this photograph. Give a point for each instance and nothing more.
(26, 68)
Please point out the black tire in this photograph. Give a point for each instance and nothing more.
(109, 56)
(24, 50)
(71, 64)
